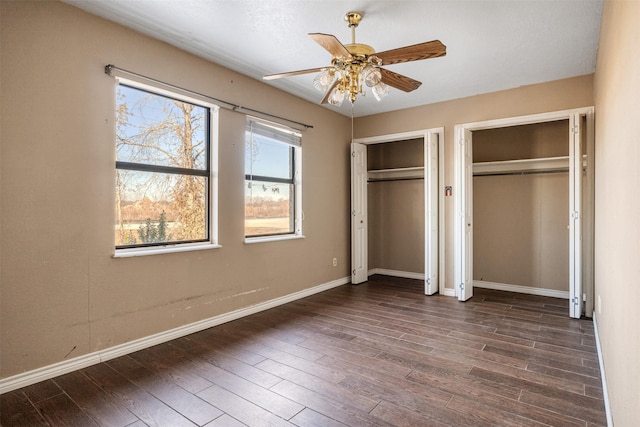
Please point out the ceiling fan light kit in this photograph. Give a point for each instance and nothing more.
(356, 63)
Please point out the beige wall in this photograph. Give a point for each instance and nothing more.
(520, 233)
(552, 96)
(617, 228)
(62, 294)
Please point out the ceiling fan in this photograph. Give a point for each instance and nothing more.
(356, 63)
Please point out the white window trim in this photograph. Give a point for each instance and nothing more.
(212, 208)
(297, 182)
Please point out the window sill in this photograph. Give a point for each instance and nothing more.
(251, 240)
(127, 253)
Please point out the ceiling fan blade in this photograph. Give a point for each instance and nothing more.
(415, 52)
(399, 81)
(325, 100)
(293, 73)
(331, 44)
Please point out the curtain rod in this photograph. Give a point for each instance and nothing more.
(108, 69)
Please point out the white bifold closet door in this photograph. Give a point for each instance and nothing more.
(433, 143)
(463, 189)
(359, 229)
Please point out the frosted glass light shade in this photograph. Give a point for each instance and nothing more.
(380, 91)
(323, 81)
(336, 97)
(371, 75)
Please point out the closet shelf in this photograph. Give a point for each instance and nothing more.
(544, 164)
(396, 173)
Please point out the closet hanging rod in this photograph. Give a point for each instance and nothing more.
(521, 173)
(114, 71)
(395, 179)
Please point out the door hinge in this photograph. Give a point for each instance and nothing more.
(353, 154)
(353, 272)
(462, 286)
(574, 300)
(428, 282)
(575, 214)
(575, 129)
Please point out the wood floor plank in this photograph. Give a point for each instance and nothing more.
(327, 373)
(233, 365)
(225, 421)
(495, 416)
(593, 413)
(329, 346)
(166, 361)
(464, 385)
(94, 401)
(335, 408)
(400, 416)
(527, 380)
(42, 390)
(425, 362)
(61, 411)
(378, 354)
(145, 406)
(410, 395)
(187, 404)
(17, 410)
(587, 380)
(241, 409)
(318, 385)
(310, 418)
(513, 410)
(273, 402)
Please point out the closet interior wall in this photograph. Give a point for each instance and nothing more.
(396, 207)
(521, 234)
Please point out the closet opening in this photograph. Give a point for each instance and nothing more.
(520, 205)
(396, 207)
(524, 206)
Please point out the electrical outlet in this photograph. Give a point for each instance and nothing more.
(335, 262)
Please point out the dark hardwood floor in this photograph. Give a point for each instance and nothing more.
(379, 353)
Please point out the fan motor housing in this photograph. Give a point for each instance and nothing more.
(359, 49)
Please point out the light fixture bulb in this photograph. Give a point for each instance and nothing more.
(336, 97)
(372, 75)
(380, 91)
(323, 81)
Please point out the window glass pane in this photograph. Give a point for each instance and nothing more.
(156, 130)
(267, 157)
(157, 207)
(268, 208)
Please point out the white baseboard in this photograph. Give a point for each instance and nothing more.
(521, 289)
(31, 377)
(396, 273)
(603, 378)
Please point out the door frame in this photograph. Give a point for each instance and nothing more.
(579, 238)
(426, 135)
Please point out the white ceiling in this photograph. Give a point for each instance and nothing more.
(491, 44)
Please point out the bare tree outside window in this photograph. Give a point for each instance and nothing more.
(162, 169)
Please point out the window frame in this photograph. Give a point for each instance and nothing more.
(294, 143)
(210, 174)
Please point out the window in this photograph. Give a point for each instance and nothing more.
(164, 189)
(273, 194)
